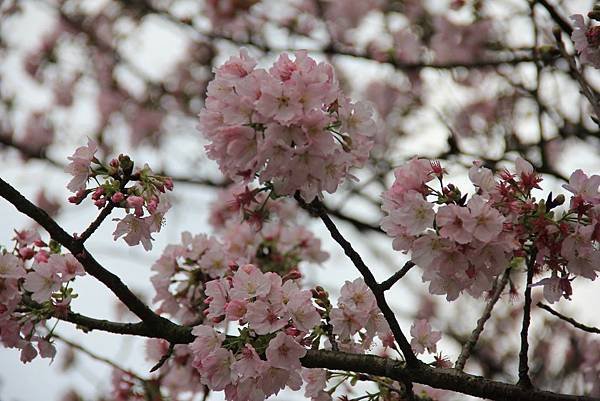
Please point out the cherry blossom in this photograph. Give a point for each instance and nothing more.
(424, 338)
(587, 41)
(259, 122)
(79, 167)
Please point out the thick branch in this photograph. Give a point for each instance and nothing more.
(570, 320)
(487, 313)
(448, 379)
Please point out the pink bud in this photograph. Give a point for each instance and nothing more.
(152, 205)
(26, 253)
(292, 331)
(169, 183)
(100, 203)
(117, 197)
(78, 197)
(218, 319)
(292, 275)
(41, 257)
(98, 193)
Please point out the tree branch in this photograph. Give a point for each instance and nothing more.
(448, 379)
(95, 356)
(487, 313)
(524, 379)
(387, 284)
(91, 266)
(562, 22)
(570, 320)
(316, 208)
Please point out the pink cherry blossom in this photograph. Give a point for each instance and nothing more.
(424, 337)
(67, 266)
(315, 380)
(134, 230)
(583, 186)
(486, 223)
(284, 352)
(453, 221)
(207, 340)
(249, 282)
(259, 123)
(587, 41)
(249, 364)
(79, 167)
(11, 267)
(42, 282)
(216, 369)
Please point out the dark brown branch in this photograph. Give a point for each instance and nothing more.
(164, 358)
(448, 379)
(316, 208)
(91, 266)
(387, 284)
(96, 223)
(524, 379)
(570, 320)
(487, 313)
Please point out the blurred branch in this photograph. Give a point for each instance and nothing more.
(567, 319)
(95, 356)
(578, 75)
(556, 16)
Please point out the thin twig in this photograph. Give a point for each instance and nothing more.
(570, 320)
(95, 356)
(524, 379)
(96, 223)
(387, 284)
(164, 358)
(487, 313)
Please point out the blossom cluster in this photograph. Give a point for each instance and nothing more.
(145, 202)
(251, 228)
(357, 313)
(463, 245)
(274, 316)
(265, 237)
(291, 125)
(34, 285)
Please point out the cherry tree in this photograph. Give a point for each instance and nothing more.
(452, 145)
